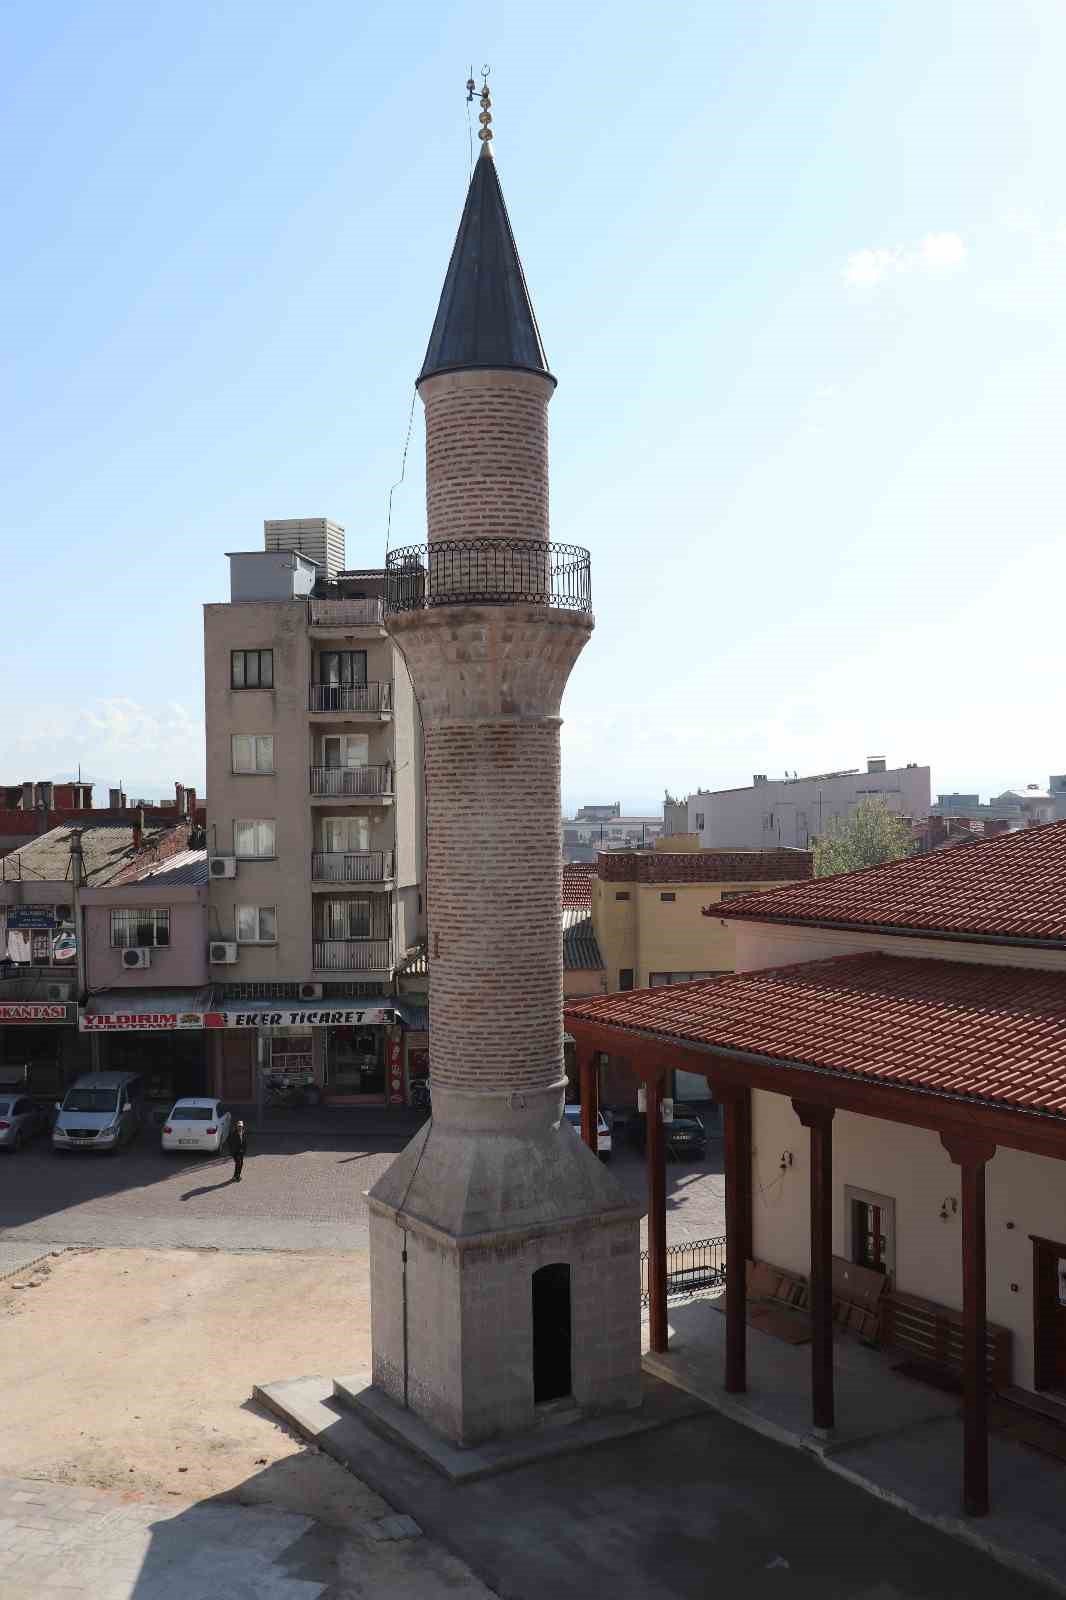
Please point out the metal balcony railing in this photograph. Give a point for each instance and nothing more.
(351, 866)
(353, 955)
(351, 781)
(345, 613)
(373, 697)
(495, 572)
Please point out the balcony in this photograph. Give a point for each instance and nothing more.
(488, 572)
(352, 699)
(352, 866)
(352, 783)
(353, 955)
(346, 616)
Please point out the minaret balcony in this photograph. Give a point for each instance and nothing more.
(487, 572)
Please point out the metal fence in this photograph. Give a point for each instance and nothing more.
(493, 572)
(343, 782)
(690, 1266)
(351, 866)
(370, 697)
(344, 613)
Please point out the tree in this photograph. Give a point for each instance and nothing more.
(872, 834)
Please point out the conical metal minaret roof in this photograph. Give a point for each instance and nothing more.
(485, 317)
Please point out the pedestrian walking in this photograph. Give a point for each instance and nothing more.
(237, 1145)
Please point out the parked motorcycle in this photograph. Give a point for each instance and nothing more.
(419, 1094)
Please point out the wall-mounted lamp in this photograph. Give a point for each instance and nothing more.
(786, 1159)
(948, 1208)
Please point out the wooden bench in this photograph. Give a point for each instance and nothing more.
(931, 1336)
(857, 1296)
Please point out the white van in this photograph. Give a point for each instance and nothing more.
(101, 1111)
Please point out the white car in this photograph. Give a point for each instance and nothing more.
(197, 1125)
(572, 1115)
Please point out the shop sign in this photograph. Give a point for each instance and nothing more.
(33, 1011)
(306, 1019)
(394, 1066)
(148, 1021)
(31, 917)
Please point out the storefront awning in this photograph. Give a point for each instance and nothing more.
(150, 1010)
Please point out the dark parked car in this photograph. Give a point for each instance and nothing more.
(685, 1136)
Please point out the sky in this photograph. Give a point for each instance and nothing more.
(798, 265)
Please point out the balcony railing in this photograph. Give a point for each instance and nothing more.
(353, 955)
(351, 866)
(344, 782)
(494, 572)
(373, 697)
(345, 613)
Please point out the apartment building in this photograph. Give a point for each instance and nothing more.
(316, 818)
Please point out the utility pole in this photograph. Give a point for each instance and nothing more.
(77, 877)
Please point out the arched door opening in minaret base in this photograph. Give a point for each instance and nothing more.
(552, 1336)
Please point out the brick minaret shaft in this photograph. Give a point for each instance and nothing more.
(489, 683)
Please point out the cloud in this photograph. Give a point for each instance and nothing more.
(936, 255)
(107, 737)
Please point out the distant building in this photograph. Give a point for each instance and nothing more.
(603, 827)
(794, 812)
(30, 809)
(1020, 808)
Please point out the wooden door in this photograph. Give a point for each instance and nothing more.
(238, 1067)
(1049, 1314)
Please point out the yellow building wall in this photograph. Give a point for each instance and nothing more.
(650, 934)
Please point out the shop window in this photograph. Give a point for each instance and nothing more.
(251, 669)
(257, 924)
(253, 752)
(140, 928)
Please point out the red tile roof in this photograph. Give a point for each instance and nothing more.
(1011, 887)
(577, 883)
(988, 1034)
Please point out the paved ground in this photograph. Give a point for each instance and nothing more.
(57, 1541)
(302, 1190)
(700, 1507)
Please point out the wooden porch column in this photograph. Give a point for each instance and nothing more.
(655, 1146)
(819, 1121)
(971, 1155)
(590, 1097)
(736, 1116)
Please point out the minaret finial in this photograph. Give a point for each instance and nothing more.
(484, 116)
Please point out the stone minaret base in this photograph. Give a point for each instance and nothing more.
(477, 1212)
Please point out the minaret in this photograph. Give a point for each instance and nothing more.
(504, 1257)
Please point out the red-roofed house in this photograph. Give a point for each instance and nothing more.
(890, 1054)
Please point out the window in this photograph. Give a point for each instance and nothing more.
(257, 924)
(621, 894)
(701, 821)
(345, 919)
(253, 752)
(625, 977)
(342, 835)
(251, 669)
(136, 929)
(872, 1229)
(659, 980)
(741, 894)
(252, 840)
(339, 667)
(345, 750)
(668, 895)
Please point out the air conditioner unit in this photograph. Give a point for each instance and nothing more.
(223, 955)
(310, 991)
(222, 866)
(57, 991)
(136, 958)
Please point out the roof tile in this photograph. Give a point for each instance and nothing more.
(961, 1029)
